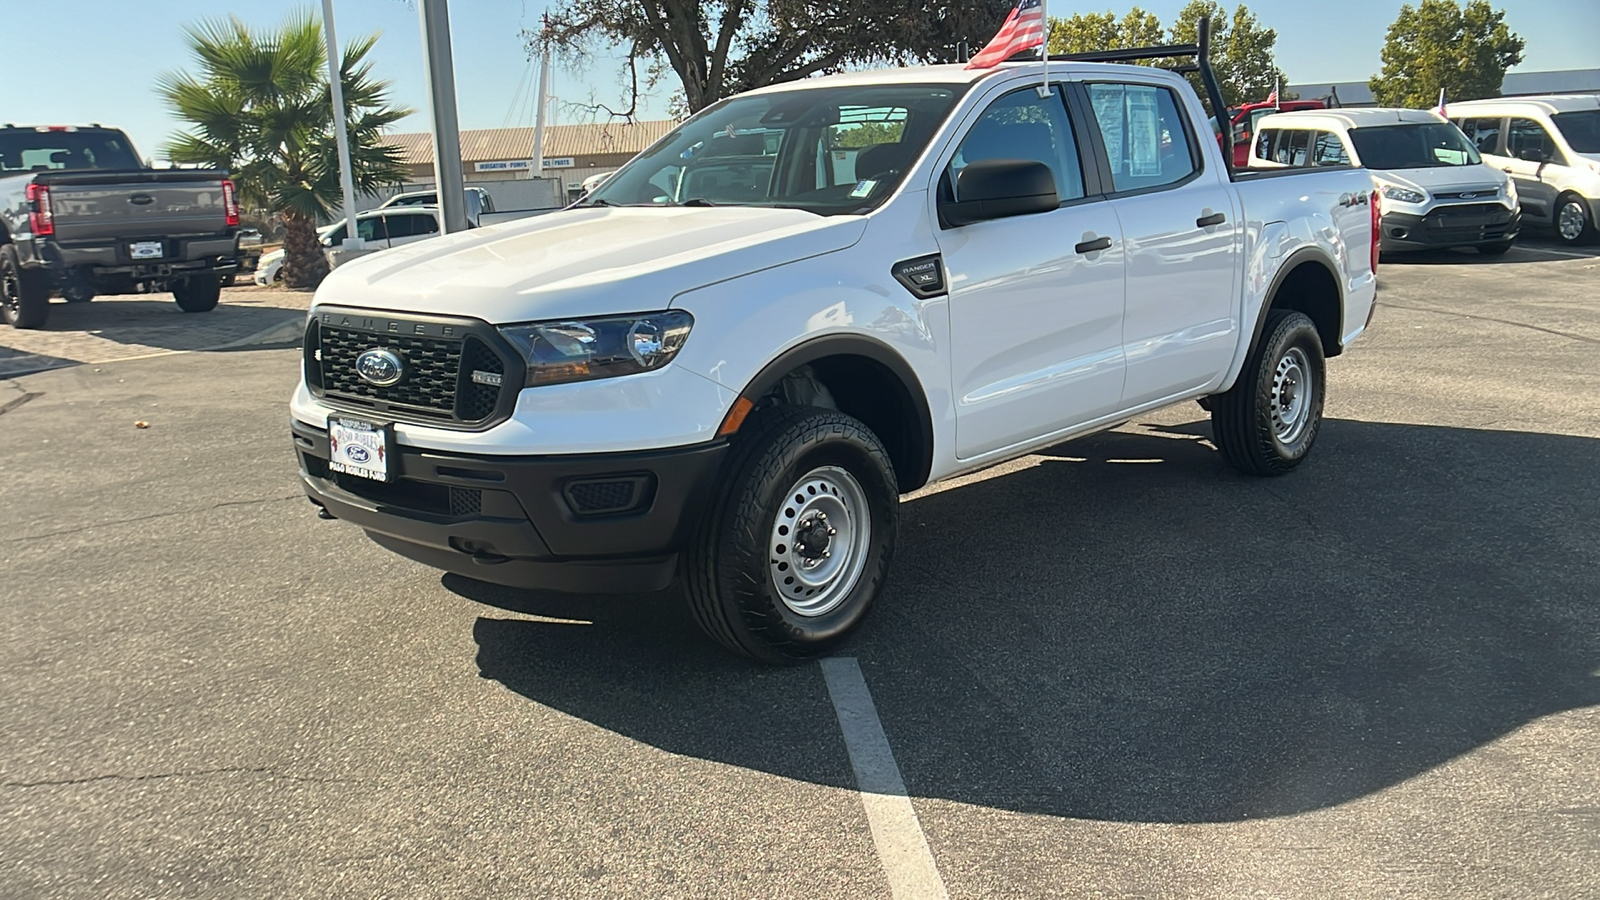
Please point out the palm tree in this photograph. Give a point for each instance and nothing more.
(261, 107)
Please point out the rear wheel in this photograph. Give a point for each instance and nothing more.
(1266, 423)
(197, 293)
(1574, 225)
(797, 542)
(24, 294)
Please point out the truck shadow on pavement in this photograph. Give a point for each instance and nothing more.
(1124, 630)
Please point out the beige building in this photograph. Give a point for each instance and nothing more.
(571, 152)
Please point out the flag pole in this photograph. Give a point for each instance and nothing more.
(1044, 49)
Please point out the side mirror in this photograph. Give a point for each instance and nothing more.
(999, 189)
(1533, 155)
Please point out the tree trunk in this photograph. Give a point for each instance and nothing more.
(304, 265)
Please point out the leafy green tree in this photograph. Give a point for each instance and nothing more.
(1440, 44)
(260, 107)
(717, 49)
(1241, 50)
(1088, 32)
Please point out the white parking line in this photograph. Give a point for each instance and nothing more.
(902, 848)
(1554, 252)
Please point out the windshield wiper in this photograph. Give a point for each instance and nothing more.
(698, 201)
(600, 201)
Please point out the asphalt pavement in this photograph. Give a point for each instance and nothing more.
(1112, 669)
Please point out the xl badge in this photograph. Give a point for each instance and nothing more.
(380, 368)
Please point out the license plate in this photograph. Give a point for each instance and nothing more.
(361, 448)
(146, 250)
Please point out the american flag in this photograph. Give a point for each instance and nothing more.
(1023, 30)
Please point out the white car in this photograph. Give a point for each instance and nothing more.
(380, 229)
(1550, 146)
(733, 383)
(1437, 191)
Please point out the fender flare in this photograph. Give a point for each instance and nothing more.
(920, 457)
(1311, 253)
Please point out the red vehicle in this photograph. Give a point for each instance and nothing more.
(1243, 121)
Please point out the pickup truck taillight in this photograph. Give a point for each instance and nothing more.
(1377, 228)
(41, 219)
(230, 202)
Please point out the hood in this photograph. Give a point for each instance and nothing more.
(1444, 178)
(584, 262)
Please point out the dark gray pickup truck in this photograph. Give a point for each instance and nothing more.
(80, 215)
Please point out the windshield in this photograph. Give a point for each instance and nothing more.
(1581, 129)
(1413, 145)
(825, 150)
(24, 150)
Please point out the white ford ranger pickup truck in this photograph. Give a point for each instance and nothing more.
(725, 366)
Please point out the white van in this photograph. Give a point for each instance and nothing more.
(1437, 191)
(1550, 146)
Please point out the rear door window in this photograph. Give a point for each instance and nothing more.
(1146, 136)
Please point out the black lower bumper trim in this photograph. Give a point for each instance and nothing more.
(512, 519)
(1445, 229)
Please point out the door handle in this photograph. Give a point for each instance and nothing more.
(1094, 245)
(1208, 221)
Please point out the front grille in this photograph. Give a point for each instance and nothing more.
(1468, 222)
(465, 501)
(1476, 194)
(1472, 209)
(432, 370)
(455, 375)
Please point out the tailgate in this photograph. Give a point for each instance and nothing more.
(129, 205)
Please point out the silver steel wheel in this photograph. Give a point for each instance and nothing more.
(11, 291)
(1293, 390)
(1572, 220)
(820, 537)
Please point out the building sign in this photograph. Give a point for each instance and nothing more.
(523, 165)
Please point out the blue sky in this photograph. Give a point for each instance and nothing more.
(106, 70)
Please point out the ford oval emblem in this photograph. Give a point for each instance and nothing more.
(380, 368)
(1468, 195)
(357, 453)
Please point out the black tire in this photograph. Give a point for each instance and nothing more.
(737, 559)
(1250, 436)
(197, 293)
(1496, 249)
(24, 293)
(1579, 208)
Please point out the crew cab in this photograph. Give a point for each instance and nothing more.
(1437, 192)
(735, 392)
(81, 215)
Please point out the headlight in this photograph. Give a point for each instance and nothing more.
(1404, 195)
(558, 352)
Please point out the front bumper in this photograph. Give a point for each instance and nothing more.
(1450, 226)
(583, 523)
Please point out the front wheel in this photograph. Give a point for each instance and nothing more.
(1266, 423)
(197, 293)
(797, 542)
(1574, 225)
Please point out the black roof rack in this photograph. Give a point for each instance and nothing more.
(1200, 51)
